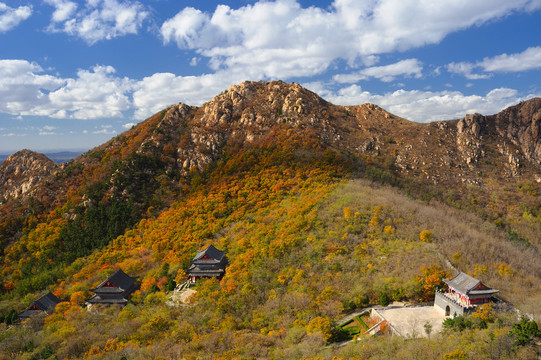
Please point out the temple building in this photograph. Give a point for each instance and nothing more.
(116, 289)
(464, 294)
(44, 304)
(208, 263)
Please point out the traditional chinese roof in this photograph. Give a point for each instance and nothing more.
(468, 285)
(206, 270)
(44, 304)
(108, 299)
(118, 282)
(210, 255)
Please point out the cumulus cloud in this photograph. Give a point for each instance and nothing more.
(11, 17)
(93, 94)
(64, 9)
(23, 86)
(280, 39)
(529, 59)
(386, 73)
(26, 90)
(467, 70)
(98, 20)
(163, 89)
(426, 106)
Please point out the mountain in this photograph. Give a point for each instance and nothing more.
(58, 157)
(20, 172)
(321, 209)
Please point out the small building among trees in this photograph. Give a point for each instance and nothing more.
(465, 293)
(43, 305)
(208, 263)
(116, 289)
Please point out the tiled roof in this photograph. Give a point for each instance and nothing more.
(97, 299)
(205, 269)
(466, 284)
(120, 279)
(45, 303)
(215, 254)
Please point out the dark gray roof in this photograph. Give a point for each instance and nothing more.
(120, 279)
(214, 254)
(202, 270)
(466, 284)
(45, 303)
(97, 299)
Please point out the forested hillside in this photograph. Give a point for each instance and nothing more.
(321, 209)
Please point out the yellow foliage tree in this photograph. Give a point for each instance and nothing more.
(347, 213)
(322, 325)
(77, 298)
(484, 312)
(455, 355)
(389, 229)
(425, 236)
(505, 270)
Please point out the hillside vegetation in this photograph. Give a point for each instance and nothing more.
(314, 225)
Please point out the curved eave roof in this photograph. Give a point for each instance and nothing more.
(119, 279)
(466, 284)
(212, 252)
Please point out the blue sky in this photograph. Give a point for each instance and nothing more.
(73, 74)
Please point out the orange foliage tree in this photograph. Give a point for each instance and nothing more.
(431, 277)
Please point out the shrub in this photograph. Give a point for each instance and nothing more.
(171, 285)
(384, 299)
(425, 236)
(525, 331)
(457, 323)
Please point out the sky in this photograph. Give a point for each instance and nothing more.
(74, 74)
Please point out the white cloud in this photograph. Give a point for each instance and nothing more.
(386, 73)
(26, 90)
(93, 94)
(529, 59)
(98, 20)
(160, 90)
(426, 106)
(11, 17)
(466, 69)
(64, 9)
(280, 39)
(105, 130)
(129, 125)
(23, 86)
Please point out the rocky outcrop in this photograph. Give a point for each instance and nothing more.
(21, 171)
(469, 138)
(515, 131)
(521, 124)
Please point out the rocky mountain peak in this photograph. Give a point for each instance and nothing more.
(21, 171)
